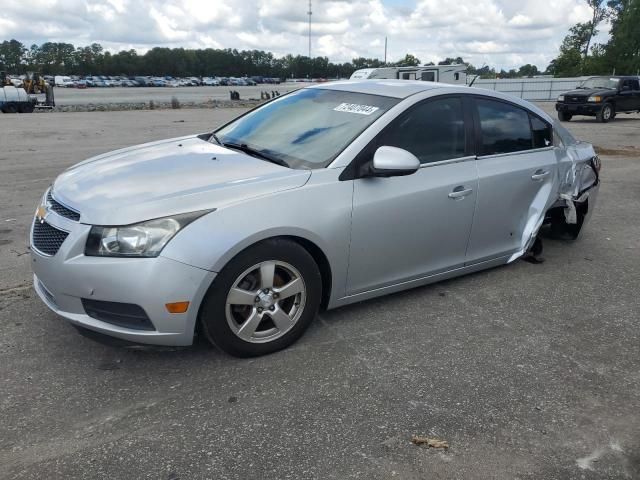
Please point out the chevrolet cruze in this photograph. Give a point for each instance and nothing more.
(329, 195)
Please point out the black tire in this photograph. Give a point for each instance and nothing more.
(10, 108)
(564, 116)
(213, 311)
(560, 229)
(606, 113)
(26, 108)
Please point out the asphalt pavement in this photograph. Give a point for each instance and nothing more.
(527, 371)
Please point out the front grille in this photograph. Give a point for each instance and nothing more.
(127, 315)
(572, 99)
(46, 238)
(61, 209)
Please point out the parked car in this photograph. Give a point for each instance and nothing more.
(601, 97)
(326, 196)
(64, 81)
(210, 82)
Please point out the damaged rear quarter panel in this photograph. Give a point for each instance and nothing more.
(579, 175)
(576, 183)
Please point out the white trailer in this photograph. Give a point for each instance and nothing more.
(452, 74)
(16, 100)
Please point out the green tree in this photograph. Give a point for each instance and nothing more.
(528, 70)
(12, 54)
(408, 61)
(452, 61)
(622, 52)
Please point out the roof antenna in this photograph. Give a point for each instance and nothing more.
(309, 13)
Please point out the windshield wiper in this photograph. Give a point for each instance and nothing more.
(243, 147)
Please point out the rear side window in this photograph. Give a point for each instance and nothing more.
(633, 84)
(505, 128)
(432, 131)
(542, 133)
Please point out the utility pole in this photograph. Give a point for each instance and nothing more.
(309, 13)
(385, 50)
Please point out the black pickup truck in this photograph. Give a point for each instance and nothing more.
(601, 97)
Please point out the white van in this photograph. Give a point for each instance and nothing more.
(453, 74)
(63, 81)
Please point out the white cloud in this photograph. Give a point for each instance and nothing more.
(502, 33)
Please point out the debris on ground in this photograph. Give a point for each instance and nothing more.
(429, 442)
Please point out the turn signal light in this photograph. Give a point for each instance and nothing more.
(177, 307)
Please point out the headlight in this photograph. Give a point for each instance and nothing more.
(594, 98)
(561, 98)
(146, 239)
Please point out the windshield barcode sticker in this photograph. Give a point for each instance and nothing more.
(355, 108)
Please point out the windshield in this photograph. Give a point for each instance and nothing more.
(600, 82)
(307, 128)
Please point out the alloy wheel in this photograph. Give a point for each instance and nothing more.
(265, 301)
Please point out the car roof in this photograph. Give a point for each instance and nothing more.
(617, 77)
(384, 87)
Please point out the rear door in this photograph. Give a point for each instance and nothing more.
(517, 169)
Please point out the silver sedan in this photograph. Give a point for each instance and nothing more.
(329, 195)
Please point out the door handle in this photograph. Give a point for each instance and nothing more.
(460, 192)
(539, 175)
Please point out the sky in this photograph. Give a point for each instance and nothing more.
(500, 33)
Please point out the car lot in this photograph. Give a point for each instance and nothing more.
(528, 371)
(73, 96)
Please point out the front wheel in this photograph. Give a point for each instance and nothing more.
(263, 299)
(606, 113)
(564, 116)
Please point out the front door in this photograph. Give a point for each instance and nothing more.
(404, 228)
(517, 168)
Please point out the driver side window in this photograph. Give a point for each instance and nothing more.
(432, 131)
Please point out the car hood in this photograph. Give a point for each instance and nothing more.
(587, 92)
(166, 178)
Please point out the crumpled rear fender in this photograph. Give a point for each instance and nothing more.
(579, 179)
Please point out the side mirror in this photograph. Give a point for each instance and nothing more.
(394, 162)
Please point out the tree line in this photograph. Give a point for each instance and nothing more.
(59, 58)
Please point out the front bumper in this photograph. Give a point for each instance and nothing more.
(64, 279)
(579, 108)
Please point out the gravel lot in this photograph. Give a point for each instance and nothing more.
(528, 371)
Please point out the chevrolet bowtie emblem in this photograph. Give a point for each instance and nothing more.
(41, 212)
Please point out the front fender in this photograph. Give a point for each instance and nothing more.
(319, 212)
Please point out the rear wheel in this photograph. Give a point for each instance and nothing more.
(10, 108)
(25, 108)
(263, 299)
(606, 113)
(564, 116)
